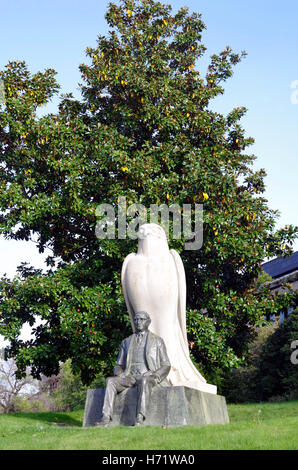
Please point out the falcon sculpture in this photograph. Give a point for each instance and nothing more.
(153, 280)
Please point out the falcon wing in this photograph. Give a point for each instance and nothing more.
(182, 305)
(181, 293)
(125, 290)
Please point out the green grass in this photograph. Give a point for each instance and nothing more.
(275, 427)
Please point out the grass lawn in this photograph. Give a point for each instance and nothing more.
(274, 427)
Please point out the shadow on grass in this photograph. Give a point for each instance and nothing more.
(54, 418)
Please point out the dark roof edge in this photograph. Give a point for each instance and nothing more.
(292, 277)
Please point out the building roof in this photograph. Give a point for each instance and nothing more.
(281, 266)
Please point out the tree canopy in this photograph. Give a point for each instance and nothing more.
(144, 129)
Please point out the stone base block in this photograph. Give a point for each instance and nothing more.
(169, 406)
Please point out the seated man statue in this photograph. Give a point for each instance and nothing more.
(142, 362)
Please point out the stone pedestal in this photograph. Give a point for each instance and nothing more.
(169, 406)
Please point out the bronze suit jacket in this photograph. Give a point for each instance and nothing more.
(156, 356)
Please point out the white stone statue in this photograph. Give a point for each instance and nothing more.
(153, 280)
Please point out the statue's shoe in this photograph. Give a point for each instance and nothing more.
(139, 420)
(104, 422)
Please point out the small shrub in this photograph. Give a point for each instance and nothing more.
(22, 404)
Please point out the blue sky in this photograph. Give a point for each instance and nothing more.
(55, 34)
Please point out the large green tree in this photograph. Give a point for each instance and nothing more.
(143, 129)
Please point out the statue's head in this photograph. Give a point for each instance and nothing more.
(142, 321)
(153, 230)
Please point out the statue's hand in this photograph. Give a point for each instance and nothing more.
(152, 375)
(156, 378)
(130, 380)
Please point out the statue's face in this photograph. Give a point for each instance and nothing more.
(142, 321)
(151, 230)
